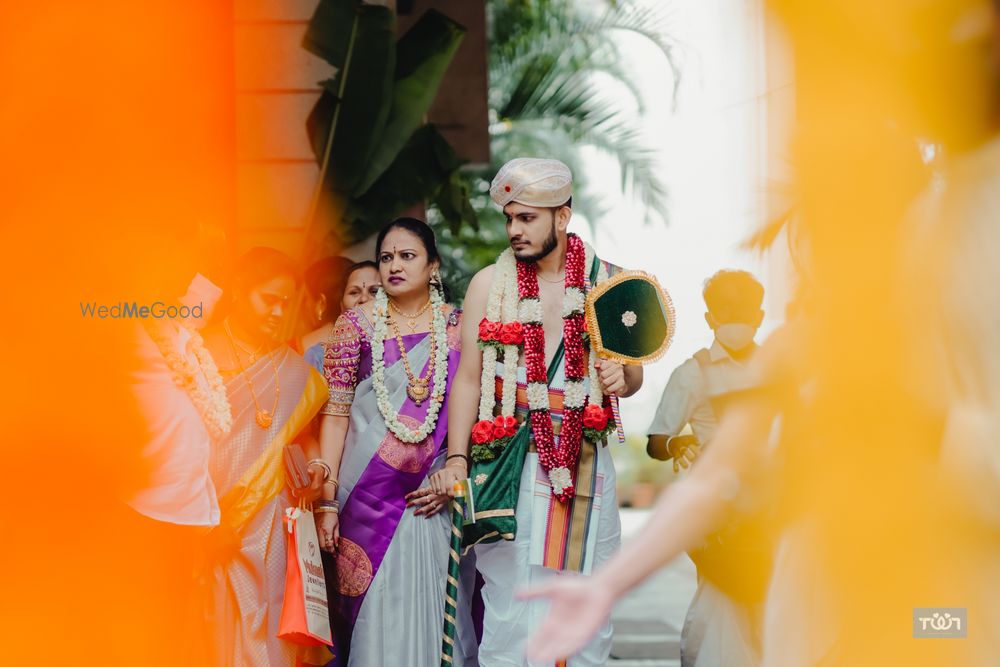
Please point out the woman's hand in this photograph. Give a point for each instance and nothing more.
(328, 529)
(311, 493)
(427, 502)
(578, 608)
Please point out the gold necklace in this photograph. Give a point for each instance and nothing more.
(416, 387)
(264, 418)
(411, 317)
(558, 281)
(251, 354)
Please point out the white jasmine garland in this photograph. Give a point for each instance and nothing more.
(499, 308)
(503, 273)
(538, 396)
(560, 479)
(212, 405)
(487, 389)
(508, 399)
(508, 297)
(501, 276)
(439, 331)
(573, 301)
(529, 311)
(596, 393)
(511, 353)
(575, 395)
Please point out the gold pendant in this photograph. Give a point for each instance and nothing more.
(417, 391)
(264, 418)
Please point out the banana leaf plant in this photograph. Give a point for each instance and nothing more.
(376, 154)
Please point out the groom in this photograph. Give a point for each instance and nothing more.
(528, 306)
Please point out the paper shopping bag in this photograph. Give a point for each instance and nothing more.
(305, 616)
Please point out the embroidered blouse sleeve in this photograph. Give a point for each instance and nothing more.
(340, 366)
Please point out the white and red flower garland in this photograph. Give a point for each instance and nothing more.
(212, 404)
(514, 319)
(559, 463)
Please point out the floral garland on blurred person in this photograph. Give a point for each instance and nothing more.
(212, 405)
(438, 369)
(514, 320)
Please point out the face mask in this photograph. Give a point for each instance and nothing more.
(735, 336)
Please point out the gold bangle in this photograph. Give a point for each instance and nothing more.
(323, 465)
(332, 481)
(326, 510)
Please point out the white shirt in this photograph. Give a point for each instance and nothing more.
(176, 454)
(686, 397)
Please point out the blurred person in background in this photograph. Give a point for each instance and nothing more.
(324, 283)
(273, 394)
(956, 227)
(334, 284)
(183, 407)
(719, 630)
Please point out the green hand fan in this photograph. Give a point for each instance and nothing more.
(630, 318)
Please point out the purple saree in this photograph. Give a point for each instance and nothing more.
(391, 566)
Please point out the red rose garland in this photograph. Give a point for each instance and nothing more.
(598, 422)
(568, 452)
(495, 334)
(489, 438)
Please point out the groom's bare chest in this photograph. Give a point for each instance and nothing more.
(551, 297)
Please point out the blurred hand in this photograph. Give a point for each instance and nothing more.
(683, 449)
(612, 375)
(578, 610)
(328, 530)
(312, 492)
(427, 502)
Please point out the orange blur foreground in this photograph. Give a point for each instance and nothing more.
(116, 134)
(894, 523)
(117, 137)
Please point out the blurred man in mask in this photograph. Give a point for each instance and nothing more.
(720, 629)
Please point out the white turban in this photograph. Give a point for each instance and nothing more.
(534, 182)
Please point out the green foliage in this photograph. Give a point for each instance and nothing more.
(544, 59)
(367, 130)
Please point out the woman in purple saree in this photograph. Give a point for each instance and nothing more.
(389, 366)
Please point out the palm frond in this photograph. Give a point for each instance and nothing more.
(559, 82)
(639, 167)
(765, 236)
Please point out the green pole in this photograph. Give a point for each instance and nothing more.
(451, 586)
